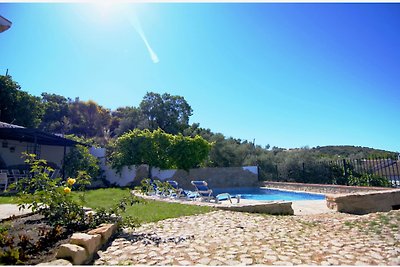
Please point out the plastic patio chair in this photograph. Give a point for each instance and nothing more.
(176, 190)
(3, 181)
(179, 192)
(202, 189)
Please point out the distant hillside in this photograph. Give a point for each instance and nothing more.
(353, 152)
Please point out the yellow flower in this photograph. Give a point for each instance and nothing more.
(71, 181)
(67, 190)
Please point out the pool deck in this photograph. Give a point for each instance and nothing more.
(310, 207)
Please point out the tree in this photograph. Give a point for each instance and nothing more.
(168, 112)
(55, 118)
(188, 152)
(88, 119)
(158, 149)
(16, 106)
(127, 118)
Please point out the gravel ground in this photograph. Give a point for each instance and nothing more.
(235, 238)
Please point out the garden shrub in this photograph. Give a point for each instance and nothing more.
(148, 186)
(80, 159)
(368, 180)
(52, 198)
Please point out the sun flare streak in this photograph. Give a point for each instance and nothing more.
(153, 55)
(109, 9)
(134, 21)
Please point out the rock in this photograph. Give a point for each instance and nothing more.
(204, 261)
(231, 262)
(105, 230)
(282, 263)
(376, 256)
(246, 261)
(215, 263)
(185, 263)
(90, 242)
(360, 263)
(75, 253)
(270, 258)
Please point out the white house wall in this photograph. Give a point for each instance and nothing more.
(121, 179)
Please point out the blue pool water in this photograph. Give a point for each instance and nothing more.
(257, 193)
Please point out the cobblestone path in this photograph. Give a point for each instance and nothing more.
(234, 238)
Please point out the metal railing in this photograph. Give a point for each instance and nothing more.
(335, 171)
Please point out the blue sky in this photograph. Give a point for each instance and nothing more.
(284, 74)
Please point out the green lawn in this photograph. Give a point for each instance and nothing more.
(8, 200)
(149, 211)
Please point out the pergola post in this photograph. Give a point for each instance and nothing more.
(35, 145)
(63, 163)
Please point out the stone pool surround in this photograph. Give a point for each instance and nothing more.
(348, 199)
(270, 207)
(365, 202)
(321, 188)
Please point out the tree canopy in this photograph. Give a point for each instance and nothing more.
(159, 128)
(17, 106)
(55, 117)
(158, 149)
(168, 112)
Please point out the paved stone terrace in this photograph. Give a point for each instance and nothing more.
(235, 238)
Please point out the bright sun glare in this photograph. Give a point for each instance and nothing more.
(109, 10)
(105, 8)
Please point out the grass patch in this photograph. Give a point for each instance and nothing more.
(153, 211)
(148, 211)
(103, 197)
(8, 200)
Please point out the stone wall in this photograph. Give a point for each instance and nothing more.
(216, 177)
(365, 202)
(322, 188)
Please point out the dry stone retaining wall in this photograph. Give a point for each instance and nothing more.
(365, 202)
(82, 246)
(322, 188)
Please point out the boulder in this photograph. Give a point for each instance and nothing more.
(90, 242)
(105, 230)
(76, 254)
(366, 202)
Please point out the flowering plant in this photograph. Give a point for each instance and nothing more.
(67, 190)
(50, 197)
(71, 181)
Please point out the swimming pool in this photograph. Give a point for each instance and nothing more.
(258, 193)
